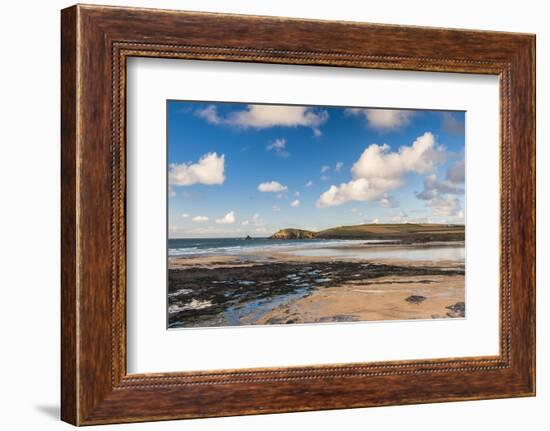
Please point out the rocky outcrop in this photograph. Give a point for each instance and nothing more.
(293, 234)
(457, 310)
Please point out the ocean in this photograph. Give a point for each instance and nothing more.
(190, 247)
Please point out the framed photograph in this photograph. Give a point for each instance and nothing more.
(328, 230)
(266, 215)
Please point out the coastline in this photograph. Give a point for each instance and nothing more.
(274, 286)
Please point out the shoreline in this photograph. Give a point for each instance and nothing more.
(279, 287)
(290, 255)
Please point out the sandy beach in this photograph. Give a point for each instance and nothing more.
(383, 299)
(345, 282)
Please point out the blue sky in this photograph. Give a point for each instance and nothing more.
(241, 169)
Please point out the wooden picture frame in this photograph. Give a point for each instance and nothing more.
(95, 43)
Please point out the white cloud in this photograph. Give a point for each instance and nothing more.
(441, 194)
(378, 170)
(277, 144)
(200, 219)
(208, 170)
(297, 194)
(184, 215)
(446, 206)
(245, 223)
(338, 167)
(457, 172)
(400, 217)
(378, 162)
(229, 218)
(375, 221)
(210, 114)
(361, 189)
(295, 203)
(325, 168)
(325, 178)
(275, 208)
(309, 183)
(434, 188)
(264, 116)
(387, 201)
(383, 119)
(278, 147)
(272, 186)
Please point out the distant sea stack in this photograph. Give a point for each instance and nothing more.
(293, 234)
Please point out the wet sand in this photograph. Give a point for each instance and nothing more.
(383, 299)
(279, 287)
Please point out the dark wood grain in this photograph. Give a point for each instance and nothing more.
(69, 367)
(96, 41)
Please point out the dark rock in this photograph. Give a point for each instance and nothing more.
(457, 310)
(415, 299)
(339, 318)
(223, 287)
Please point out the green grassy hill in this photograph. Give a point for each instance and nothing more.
(406, 232)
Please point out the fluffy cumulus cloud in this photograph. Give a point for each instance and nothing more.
(295, 203)
(377, 161)
(338, 167)
(208, 170)
(382, 119)
(434, 188)
(229, 218)
(278, 147)
(441, 195)
(265, 116)
(379, 170)
(199, 219)
(361, 189)
(272, 186)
